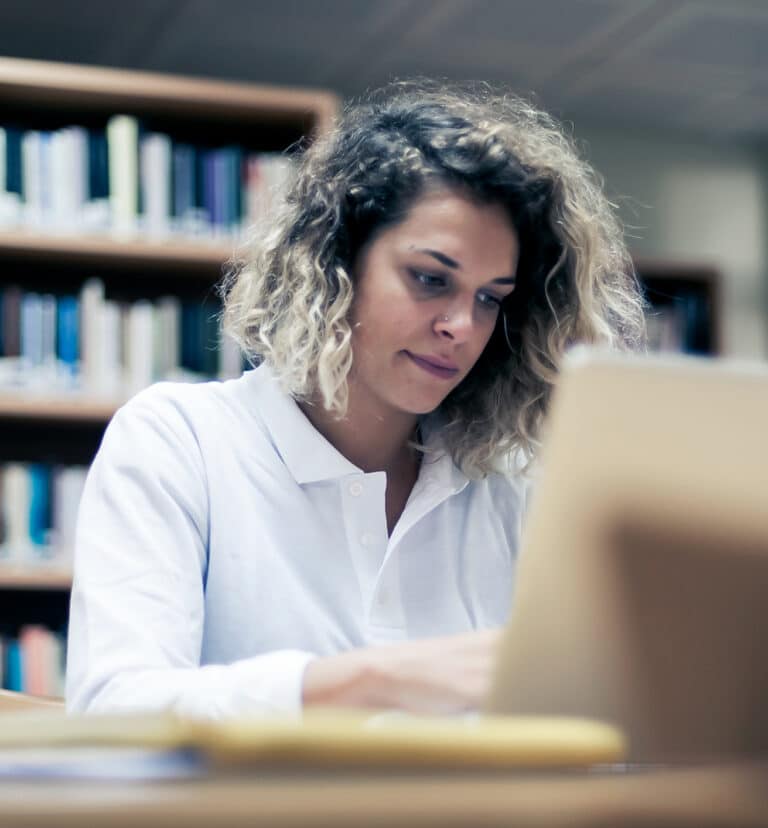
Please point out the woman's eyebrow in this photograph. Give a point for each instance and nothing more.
(452, 263)
(441, 257)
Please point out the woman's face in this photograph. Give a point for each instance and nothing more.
(427, 297)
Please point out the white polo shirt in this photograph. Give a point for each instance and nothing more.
(222, 543)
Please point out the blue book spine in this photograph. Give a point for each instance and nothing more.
(39, 503)
(13, 167)
(238, 162)
(14, 672)
(98, 164)
(67, 332)
(210, 337)
(183, 172)
(211, 205)
(32, 328)
(192, 357)
(199, 184)
(232, 187)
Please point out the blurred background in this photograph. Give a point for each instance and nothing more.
(666, 98)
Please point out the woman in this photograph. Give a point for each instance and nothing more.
(340, 525)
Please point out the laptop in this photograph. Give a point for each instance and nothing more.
(641, 597)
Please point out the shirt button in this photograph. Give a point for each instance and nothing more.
(382, 597)
(367, 539)
(356, 489)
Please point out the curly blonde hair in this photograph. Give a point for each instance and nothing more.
(287, 298)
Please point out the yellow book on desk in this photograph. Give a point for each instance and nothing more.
(336, 738)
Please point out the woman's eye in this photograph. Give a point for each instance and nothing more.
(489, 301)
(428, 280)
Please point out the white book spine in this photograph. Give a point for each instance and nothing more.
(16, 503)
(60, 184)
(91, 345)
(112, 380)
(156, 184)
(122, 141)
(31, 178)
(57, 687)
(168, 357)
(139, 355)
(68, 176)
(68, 484)
(79, 141)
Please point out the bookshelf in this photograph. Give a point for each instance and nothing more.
(685, 312)
(237, 126)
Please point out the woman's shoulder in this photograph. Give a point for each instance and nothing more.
(196, 407)
(514, 475)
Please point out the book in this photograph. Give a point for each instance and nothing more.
(33, 179)
(139, 354)
(123, 155)
(68, 334)
(32, 330)
(35, 645)
(68, 483)
(10, 164)
(14, 667)
(39, 505)
(16, 506)
(91, 342)
(167, 337)
(336, 738)
(67, 183)
(155, 162)
(48, 335)
(10, 346)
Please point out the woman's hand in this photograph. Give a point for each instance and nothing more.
(436, 675)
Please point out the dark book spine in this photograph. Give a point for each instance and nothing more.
(98, 164)
(13, 165)
(11, 343)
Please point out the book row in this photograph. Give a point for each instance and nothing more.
(103, 347)
(125, 180)
(681, 326)
(38, 511)
(33, 662)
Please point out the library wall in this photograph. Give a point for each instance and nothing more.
(686, 201)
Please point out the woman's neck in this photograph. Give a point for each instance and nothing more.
(370, 439)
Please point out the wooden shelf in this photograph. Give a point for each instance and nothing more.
(39, 577)
(52, 409)
(58, 85)
(193, 257)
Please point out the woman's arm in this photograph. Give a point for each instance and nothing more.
(137, 609)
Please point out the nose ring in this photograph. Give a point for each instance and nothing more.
(446, 319)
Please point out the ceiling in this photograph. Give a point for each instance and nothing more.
(690, 66)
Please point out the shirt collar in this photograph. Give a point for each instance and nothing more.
(438, 471)
(311, 458)
(307, 454)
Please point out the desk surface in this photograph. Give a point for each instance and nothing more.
(709, 796)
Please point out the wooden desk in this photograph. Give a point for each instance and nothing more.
(701, 797)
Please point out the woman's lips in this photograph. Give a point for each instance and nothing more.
(440, 371)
